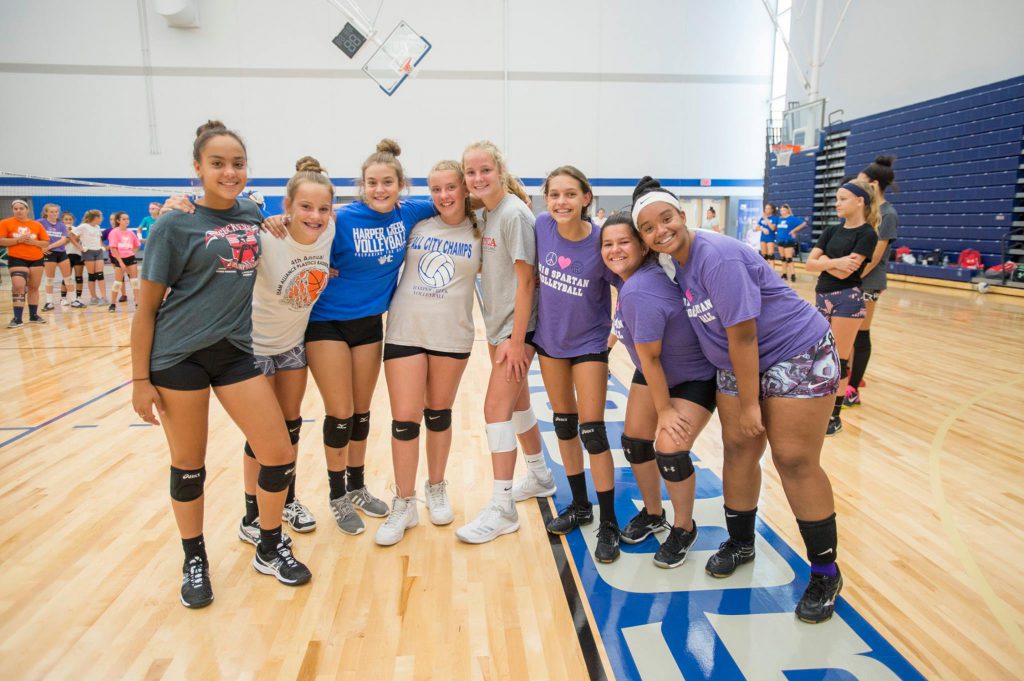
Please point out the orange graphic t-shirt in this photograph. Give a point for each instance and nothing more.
(13, 227)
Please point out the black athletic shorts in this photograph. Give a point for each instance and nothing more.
(55, 256)
(573, 361)
(787, 244)
(698, 392)
(75, 259)
(20, 262)
(128, 261)
(355, 332)
(217, 365)
(396, 351)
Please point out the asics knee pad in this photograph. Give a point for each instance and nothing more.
(594, 436)
(99, 276)
(248, 451)
(676, 466)
(524, 420)
(276, 478)
(405, 430)
(567, 426)
(187, 485)
(637, 450)
(337, 432)
(361, 426)
(437, 420)
(501, 437)
(844, 369)
(294, 426)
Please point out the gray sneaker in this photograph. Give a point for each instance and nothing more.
(345, 515)
(367, 503)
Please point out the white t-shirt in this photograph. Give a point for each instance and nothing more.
(91, 236)
(289, 279)
(509, 235)
(70, 247)
(433, 305)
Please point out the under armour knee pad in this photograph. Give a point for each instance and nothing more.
(405, 430)
(844, 369)
(337, 432)
(248, 451)
(501, 436)
(594, 436)
(437, 420)
(99, 276)
(567, 426)
(187, 485)
(361, 426)
(637, 450)
(523, 420)
(294, 426)
(676, 466)
(276, 478)
(79, 279)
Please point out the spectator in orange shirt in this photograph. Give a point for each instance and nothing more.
(25, 240)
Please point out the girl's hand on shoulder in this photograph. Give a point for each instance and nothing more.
(276, 225)
(177, 202)
(144, 399)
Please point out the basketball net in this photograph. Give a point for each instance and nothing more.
(783, 152)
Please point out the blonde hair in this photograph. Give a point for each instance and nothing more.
(456, 167)
(91, 214)
(308, 169)
(871, 213)
(48, 206)
(509, 182)
(387, 153)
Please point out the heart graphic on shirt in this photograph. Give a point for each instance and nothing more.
(689, 295)
(564, 262)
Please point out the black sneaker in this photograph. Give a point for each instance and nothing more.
(607, 542)
(730, 555)
(819, 599)
(36, 320)
(571, 517)
(123, 299)
(835, 425)
(792, 277)
(673, 551)
(15, 324)
(281, 564)
(112, 308)
(196, 591)
(48, 307)
(643, 525)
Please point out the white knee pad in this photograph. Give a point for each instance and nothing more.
(522, 421)
(501, 437)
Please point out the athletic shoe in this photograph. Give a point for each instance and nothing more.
(437, 503)
(15, 324)
(123, 299)
(643, 525)
(730, 555)
(95, 301)
(251, 533)
(532, 486)
(196, 591)
(852, 398)
(489, 524)
(673, 551)
(367, 503)
(298, 516)
(571, 517)
(281, 564)
(792, 277)
(36, 320)
(48, 307)
(835, 425)
(345, 515)
(112, 308)
(402, 517)
(607, 542)
(63, 302)
(77, 304)
(819, 599)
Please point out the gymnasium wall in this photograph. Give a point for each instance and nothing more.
(675, 89)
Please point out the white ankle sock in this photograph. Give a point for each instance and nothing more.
(503, 493)
(535, 464)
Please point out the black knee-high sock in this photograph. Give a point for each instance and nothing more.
(194, 547)
(740, 524)
(355, 478)
(336, 479)
(252, 509)
(606, 502)
(838, 406)
(291, 492)
(578, 486)
(269, 539)
(861, 355)
(821, 541)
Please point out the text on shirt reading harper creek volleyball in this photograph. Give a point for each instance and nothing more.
(374, 241)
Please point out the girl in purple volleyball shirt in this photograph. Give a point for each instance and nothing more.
(672, 377)
(778, 371)
(573, 323)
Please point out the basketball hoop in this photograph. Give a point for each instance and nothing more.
(783, 152)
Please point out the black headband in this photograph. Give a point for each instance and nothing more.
(854, 189)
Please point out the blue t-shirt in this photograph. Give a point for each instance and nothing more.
(783, 227)
(770, 224)
(368, 251)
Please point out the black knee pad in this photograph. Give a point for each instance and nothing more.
(99, 276)
(844, 369)
(405, 430)
(637, 450)
(187, 485)
(674, 467)
(594, 436)
(337, 432)
(248, 451)
(79, 279)
(294, 426)
(361, 426)
(23, 275)
(92, 276)
(276, 478)
(438, 420)
(567, 426)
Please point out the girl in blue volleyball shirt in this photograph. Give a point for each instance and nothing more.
(767, 223)
(786, 229)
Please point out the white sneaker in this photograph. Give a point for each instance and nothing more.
(64, 302)
(298, 516)
(532, 486)
(489, 524)
(402, 517)
(437, 502)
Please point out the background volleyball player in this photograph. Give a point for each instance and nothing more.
(25, 240)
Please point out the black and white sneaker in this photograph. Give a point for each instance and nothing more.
(643, 525)
(281, 564)
(298, 516)
(571, 517)
(15, 324)
(48, 307)
(673, 551)
(36, 320)
(730, 555)
(835, 425)
(819, 599)
(250, 533)
(196, 591)
(607, 542)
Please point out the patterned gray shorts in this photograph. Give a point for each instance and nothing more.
(286, 361)
(847, 303)
(812, 373)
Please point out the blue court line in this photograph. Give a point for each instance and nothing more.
(18, 428)
(91, 426)
(33, 429)
(140, 425)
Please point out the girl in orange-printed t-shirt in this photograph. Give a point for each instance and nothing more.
(25, 240)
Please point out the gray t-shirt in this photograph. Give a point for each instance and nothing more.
(508, 236)
(208, 261)
(876, 279)
(433, 305)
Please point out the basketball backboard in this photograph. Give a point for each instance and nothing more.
(396, 57)
(801, 125)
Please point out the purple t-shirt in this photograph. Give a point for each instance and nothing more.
(56, 230)
(575, 302)
(648, 310)
(726, 282)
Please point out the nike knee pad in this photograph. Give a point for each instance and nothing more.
(276, 478)
(437, 420)
(360, 426)
(524, 420)
(637, 450)
(337, 432)
(674, 467)
(294, 426)
(501, 437)
(187, 485)
(567, 426)
(405, 430)
(594, 436)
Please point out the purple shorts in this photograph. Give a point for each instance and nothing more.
(847, 303)
(812, 373)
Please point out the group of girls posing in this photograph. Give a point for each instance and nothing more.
(779, 229)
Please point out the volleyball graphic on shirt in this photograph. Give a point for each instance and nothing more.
(436, 269)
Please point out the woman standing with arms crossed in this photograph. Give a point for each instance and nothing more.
(785, 234)
(74, 251)
(777, 377)
(90, 235)
(25, 240)
(201, 337)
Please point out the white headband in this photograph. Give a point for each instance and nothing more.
(15, 202)
(652, 197)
